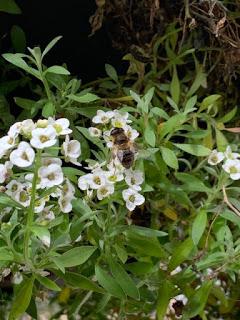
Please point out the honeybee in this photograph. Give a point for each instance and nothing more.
(123, 147)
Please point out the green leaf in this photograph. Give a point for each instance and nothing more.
(9, 202)
(189, 107)
(199, 225)
(198, 300)
(124, 280)
(9, 6)
(121, 253)
(22, 299)
(210, 101)
(75, 256)
(149, 136)
(169, 157)
(48, 110)
(145, 245)
(175, 86)
(26, 104)
(17, 60)
(111, 72)
(194, 149)
(49, 284)
(181, 253)
(160, 112)
(50, 45)
(146, 232)
(77, 280)
(221, 140)
(172, 124)
(86, 98)
(200, 80)
(164, 295)
(57, 70)
(229, 116)
(5, 254)
(18, 39)
(193, 184)
(109, 283)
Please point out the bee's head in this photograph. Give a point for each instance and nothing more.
(117, 131)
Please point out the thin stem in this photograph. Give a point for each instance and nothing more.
(30, 211)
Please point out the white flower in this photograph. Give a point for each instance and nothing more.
(215, 157)
(131, 133)
(120, 119)
(176, 271)
(4, 171)
(97, 179)
(13, 187)
(15, 129)
(115, 164)
(68, 189)
(60, 125)
(94, 165)
(71, 149)
(39, 205)
(42, 123)
(17, 278)
(108, 138)
(103, 117)
(27, 127)
(23, 198)
(46, 160)
(233, 168)
(46, 240)
(132, 198)
(23, 156)
(95, 132)
(113, 176)
(6, 143)
(50, 176)
(104, 191)
(83, 181)
(65, 203)
(231, 155)
(134, 179)
(43, 137)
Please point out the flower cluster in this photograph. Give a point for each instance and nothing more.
(104, 176)
(231, 162)
(30, 155)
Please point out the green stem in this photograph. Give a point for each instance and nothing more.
(30, 211)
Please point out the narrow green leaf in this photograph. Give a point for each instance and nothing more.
(172, 124)
(175, 86)
(169, 157)
(75, 256)
(77, 280)
(22, 299)
(49, 284)
(124, 280)
(194, 149)
(149, 136)
(181, 253)
(86, 98)
(198, 300)
(229, 116)
(199, 225)
(8, 201)
(111, 72)
(221, 140)
(192, 183)
(109, 283)
(48, 110)
(57, 70)
(50, 45)
(18, 39)
(9, 6)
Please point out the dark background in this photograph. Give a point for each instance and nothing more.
(42, 20)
